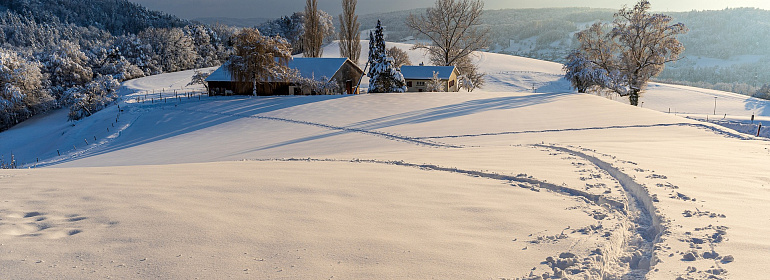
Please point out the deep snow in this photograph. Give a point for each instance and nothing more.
(519, 179)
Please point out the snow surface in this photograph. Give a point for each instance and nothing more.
(489, 184)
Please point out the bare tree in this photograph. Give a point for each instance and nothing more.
(259, 58)
(636, 48)
(470, 72)
(453, 27)
(313, 37)
(350, 37)
(400, 57)
(199, 78)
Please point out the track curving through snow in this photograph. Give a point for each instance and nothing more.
(648, 224)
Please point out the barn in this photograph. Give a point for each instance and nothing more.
(341, 70)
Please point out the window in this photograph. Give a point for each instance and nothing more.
(451, 83)
(409, 84)
(420, 84)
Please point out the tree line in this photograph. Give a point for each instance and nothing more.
(61, 54)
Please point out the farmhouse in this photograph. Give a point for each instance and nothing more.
(417, 77)
(342, 70)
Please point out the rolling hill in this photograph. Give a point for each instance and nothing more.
(507, 182)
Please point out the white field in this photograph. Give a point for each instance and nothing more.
(481, 185)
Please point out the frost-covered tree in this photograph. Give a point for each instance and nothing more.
(21, 89)
(221, 39)
(172, 49)
(330, 87)
(455, 31)
(435, 84)
(584, 74)
(384, 75)
(327, 26)
(319, 86)
(634, 50)
(470, 71)
(138, 53)
(199, 78)
(400, 57)
(763, 92)
(290, 28)
(116, 16)
(93, 97)
(121, 69)
(70, 43)
(67, 66)
(202, 42)
(259, 58)
(466, 83)
(350, 37)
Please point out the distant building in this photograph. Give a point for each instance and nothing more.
(342, 70)
(417, 77)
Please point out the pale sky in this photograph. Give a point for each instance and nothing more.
(191, 9)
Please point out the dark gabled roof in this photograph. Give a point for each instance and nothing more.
(426, 72)
(308, 67)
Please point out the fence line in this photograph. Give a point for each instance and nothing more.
(153, 96)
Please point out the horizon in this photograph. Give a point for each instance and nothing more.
(269, 9)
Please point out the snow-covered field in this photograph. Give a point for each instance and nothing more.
(521, 179)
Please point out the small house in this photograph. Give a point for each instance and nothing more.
(325, 70)
(418, 77)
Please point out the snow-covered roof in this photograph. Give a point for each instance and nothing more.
(308, 67)
(426, 72)
(317, 67)
(220, 75)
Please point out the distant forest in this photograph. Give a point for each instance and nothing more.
(548, 34)
(74, 53)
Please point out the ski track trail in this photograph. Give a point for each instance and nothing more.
(638, 215)
(643, 218)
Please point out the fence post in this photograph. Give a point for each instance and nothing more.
(758, 129)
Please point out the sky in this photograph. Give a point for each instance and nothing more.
(191, 9)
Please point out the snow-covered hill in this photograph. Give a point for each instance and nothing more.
(504, 182)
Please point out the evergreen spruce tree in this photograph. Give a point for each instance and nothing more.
(384, 75)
